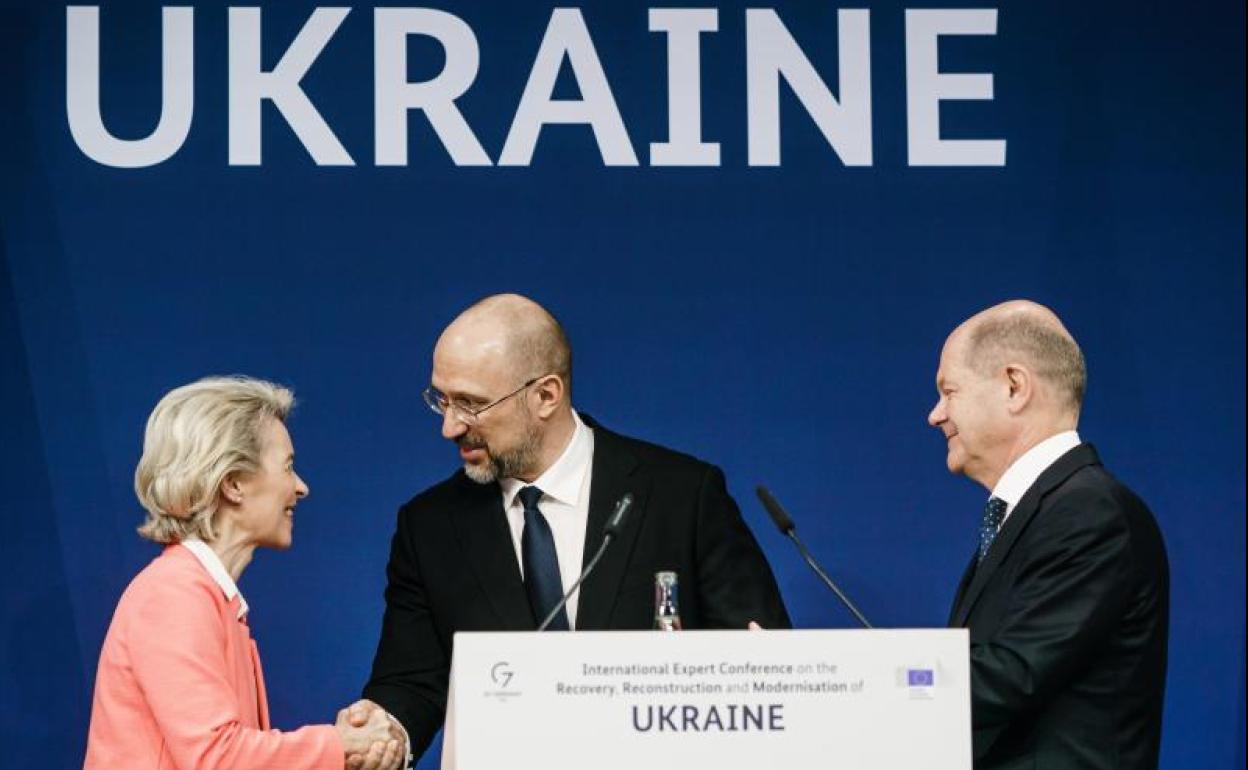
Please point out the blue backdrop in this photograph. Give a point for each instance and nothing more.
(783, 321)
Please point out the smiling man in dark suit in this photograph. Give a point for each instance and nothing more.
(495, 546)
(1067, 595)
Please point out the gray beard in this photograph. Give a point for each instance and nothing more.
(512, 463)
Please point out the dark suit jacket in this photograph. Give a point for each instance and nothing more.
(453, 568)
(1068, 617)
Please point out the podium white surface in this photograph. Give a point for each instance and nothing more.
(886, 699)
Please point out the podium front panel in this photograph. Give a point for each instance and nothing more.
(887, 699)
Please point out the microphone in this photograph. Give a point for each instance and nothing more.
(785, 524)
(612, 528)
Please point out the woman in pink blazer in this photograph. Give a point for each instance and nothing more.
(179, 685)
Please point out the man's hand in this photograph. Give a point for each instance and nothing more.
(381, 756)
(370, 739)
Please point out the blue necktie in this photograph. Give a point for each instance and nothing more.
(994, 513)
(541, 562)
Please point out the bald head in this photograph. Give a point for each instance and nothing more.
(510, 333)
(1031, 334)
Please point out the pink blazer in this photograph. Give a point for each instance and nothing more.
(179, 685)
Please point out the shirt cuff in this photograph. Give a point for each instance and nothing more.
(407, 742)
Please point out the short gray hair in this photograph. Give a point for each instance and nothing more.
(196, 437)
(1046, 346)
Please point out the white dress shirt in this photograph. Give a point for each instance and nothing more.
(1024, 471)
(564, 503)
(216, 570)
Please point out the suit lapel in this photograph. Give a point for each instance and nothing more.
(967, 575)
(262, 697)
(616, 472)
(1016, 524)
(481, 525)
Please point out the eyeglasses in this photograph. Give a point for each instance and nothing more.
(440, 404)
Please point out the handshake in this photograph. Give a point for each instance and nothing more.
(371, 739)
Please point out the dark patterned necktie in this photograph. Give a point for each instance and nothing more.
(541, 562)
(994, 513)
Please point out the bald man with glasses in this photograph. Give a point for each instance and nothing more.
(495, 546)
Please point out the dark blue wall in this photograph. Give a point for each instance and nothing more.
(782, 322)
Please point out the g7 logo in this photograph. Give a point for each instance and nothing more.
(501, 674)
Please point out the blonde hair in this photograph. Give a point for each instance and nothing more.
(196, 437)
